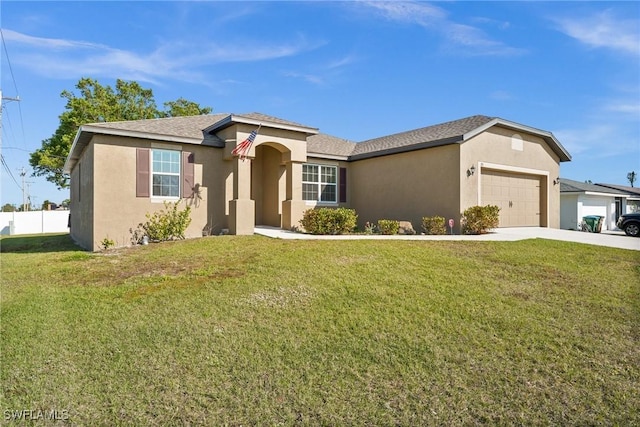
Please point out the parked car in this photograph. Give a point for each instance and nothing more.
(630, 223)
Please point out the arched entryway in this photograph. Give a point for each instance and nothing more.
(268, 184)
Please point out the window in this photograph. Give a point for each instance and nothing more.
(164, 173)
(320, 183)
(165, 169)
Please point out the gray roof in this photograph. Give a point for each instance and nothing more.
(625, 188)
(202, 130)
(185, 127)
(259, 119)
(329, 145)
(571, 186)
(454, 132)
(441, 134)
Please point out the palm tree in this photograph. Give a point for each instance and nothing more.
(631, 176)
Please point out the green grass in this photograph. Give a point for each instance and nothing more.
(252, 331)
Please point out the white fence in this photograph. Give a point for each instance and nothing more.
(34, 222)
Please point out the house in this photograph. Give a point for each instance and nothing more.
(122, 170)
(630, 204)
(580, 199)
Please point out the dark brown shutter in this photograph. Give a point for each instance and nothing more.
(188, 174)
(142, 173)
(343, 185)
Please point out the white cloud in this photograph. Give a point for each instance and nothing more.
(60, 58)
(624, 107)
(471, 40)
(604, 30)
(598, 140)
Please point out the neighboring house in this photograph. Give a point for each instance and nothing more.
(122, 170)
(630, 204)
(580, 199)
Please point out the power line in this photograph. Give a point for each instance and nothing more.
(15, 85)
(6, 167)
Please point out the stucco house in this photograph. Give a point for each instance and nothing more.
(628, 204)
(122, 170)
(580, 199)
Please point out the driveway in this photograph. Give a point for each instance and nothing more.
(612, 239)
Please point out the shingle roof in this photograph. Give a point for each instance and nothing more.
(187, 127)
(629, 190)
(442, 133)
(571, 186)
(202, 130)
(329, 145)
(271, 119)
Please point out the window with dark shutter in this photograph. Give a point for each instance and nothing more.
(142, 173)
(188, 174)
(343, 185)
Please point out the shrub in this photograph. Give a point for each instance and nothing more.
(434, 225)
(370, 228)
(107, 243)
(164, 224)
(329, 220)
(479, 219)
(388, 226)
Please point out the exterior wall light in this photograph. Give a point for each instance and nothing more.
(471, 171)
(556, 181)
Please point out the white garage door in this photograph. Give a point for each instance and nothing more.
(517, 195)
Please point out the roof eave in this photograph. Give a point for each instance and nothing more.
(549, 138)
(235, 119)
(327, 156)
(87, 132)
(406, 148)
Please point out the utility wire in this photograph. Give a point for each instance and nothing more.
(13, 78)
(6, 167)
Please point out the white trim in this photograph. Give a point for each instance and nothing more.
(327, 156)
(161, 146)
(161, 199)
(234, 119)
(320, 183)
(515, 169)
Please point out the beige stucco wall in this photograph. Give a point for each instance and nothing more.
(407, 186)
(116, 207)
(493, 149)
(110, 208)
(81, 196)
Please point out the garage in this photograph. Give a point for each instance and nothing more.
(517, 196)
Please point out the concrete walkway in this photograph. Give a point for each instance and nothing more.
(612, 239)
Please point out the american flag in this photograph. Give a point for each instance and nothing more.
(243, 148)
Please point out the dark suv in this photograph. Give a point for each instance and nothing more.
(630, 223)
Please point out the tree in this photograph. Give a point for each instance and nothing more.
(631, 176)
(182, 107)
(96, 103)
(8, 207)
(46, 204)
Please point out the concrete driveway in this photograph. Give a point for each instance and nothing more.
(612, 239)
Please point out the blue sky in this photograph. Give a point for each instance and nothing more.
(355, 70)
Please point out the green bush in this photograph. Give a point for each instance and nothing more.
(329, 220)
(388, 226)
(107, 243)
(434, 225)
(164, 224)
(480, 219)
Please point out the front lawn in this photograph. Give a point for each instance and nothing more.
(252, 331)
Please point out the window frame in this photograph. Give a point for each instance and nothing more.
(153, 173)
(319, 182)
